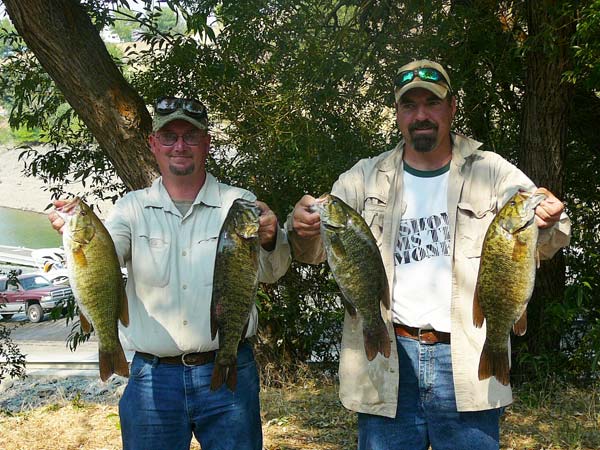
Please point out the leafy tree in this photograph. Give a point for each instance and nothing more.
(298, 91)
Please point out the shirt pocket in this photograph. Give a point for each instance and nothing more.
(472, 221)
(374, 213)
(151, 262)
(205, 251)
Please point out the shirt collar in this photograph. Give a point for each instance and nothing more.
(462, 148)
(158, 197)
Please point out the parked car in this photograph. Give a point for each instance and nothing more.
(32, 294)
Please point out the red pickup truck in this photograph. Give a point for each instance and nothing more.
(32, 294)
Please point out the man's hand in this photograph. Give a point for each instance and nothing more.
(55, 220)
(306, 223)
(548, 212)
(267, 231)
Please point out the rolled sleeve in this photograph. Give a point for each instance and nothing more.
(274, 264)
(304, 250)
(119, 228)
(557, 236)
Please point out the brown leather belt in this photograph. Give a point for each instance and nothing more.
(422, 335)
(187, 359)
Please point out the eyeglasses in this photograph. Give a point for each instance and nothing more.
(168, 138)
(424, 73)
(191, 107)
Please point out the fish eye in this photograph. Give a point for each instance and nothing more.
(513, 203)
(83, 213)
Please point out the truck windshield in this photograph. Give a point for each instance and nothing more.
(34, 282)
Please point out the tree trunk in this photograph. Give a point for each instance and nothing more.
(543, 145)
(69, 47)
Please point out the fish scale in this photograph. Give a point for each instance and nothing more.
(95, 277)
(235, 283)
(506, 280)
(356, 265)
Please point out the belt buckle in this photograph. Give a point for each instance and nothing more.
(421, 340)
(183, 360)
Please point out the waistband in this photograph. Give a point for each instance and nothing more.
(424, 336)
(185, 359)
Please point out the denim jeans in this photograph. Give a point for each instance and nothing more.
(163, 404)
(426, 413)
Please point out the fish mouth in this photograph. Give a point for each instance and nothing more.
(535, 198)
(250, 205)
(70, 207)
(320, 203)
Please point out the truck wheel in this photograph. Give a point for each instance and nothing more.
(35, 313)
(7, 316)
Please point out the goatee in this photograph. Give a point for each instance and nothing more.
(182, 172)
(423, 143)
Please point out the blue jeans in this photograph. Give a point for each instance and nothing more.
(427, 412)
(163, 404)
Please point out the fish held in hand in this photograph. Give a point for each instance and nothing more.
(357, 267)
(235, 283)
(97, 283)
(505, 281)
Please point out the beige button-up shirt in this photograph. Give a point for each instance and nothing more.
(170, 263)
(480, 183)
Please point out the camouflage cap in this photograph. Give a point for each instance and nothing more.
(160, 120)
(439, 88)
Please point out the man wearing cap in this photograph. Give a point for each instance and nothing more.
(428, 203)
(167, 235)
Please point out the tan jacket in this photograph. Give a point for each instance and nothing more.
(479, 185)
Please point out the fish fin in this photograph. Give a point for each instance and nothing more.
(385, 299)
(245, 330)
(86, 326)
(349, 306)
(537, 258)
(218, 377)
(113, 362)
(214, 319)
(232, 378)
(79, 257)
(377, 340)
(520, 326)
(124, 308)
(477, 311)
(224, 375)
(519, 249)
(494, 363)
(337, 247)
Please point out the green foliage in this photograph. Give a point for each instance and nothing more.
(299, 91)
(586, 43)
(14, 365)
(123, 26)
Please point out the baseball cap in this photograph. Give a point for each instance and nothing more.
(424, 74)
(168, 109)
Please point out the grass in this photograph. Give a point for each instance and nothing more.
(308, 416)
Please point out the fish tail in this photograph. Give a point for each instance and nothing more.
(494, 363)
(377, 340)
(113, 362)
(223, 374)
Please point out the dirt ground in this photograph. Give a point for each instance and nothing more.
(309, 417)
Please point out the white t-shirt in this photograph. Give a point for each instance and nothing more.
(423, 267)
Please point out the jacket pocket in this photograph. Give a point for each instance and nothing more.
(374, 214)
(151, 264)
(472, 222)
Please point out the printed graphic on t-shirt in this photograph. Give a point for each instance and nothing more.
(422, 238)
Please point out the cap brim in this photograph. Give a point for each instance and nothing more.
(438, 89)
(160, 121)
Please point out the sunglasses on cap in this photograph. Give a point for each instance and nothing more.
(191, 107)
(424, 73)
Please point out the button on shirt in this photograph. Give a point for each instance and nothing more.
(170, 263)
